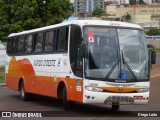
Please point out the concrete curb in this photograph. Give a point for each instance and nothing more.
(2, 84)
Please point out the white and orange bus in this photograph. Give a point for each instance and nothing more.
(85, 61)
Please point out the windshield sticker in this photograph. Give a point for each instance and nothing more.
(123, 75)
(90, 36)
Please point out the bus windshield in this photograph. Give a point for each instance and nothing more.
(116, 53)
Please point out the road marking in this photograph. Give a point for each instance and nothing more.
(155, 75)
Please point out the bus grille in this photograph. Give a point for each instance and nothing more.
(119, 100)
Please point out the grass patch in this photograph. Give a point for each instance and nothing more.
(2, 68)
(2, 79)
(4, 43)
(157, 49)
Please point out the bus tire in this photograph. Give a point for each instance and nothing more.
(24, 96)
(66, 104)
(115, 107)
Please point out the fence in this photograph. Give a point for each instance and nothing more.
(2, 57)
(154, 40)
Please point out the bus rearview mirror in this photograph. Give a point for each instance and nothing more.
(152, 54)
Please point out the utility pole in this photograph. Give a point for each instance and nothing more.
(44, 2)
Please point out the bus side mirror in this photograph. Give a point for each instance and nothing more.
(153, 57)
(152, 54)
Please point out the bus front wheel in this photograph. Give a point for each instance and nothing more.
(66, 104)
(24, 96)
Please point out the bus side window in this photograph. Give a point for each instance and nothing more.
(62, 40)
(14, 46)
(20, 48)
(49, 41)
(29, 42)
(39, 43)
(75, 56)
(9, 46)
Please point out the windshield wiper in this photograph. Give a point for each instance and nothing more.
(129, 68)
(119, 62)
(114, 66)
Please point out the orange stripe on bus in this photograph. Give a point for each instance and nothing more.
(118, 89)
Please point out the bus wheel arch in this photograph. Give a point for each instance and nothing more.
(62, 94)
(20, 82)
(60, 90)
(24, 96)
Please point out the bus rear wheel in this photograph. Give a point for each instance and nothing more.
(66, 104)
(24, 96)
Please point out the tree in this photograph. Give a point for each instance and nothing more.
(153, 31)
(133, 2)
(126, 17)
(97, 12)
(141, 2)
(19, 15)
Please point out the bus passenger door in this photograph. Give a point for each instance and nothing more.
(76, 61)
(77, 83)
(79, 74)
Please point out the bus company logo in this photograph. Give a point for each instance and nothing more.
(6, 114)
(21, 114)
(120, 89)
(115, 24)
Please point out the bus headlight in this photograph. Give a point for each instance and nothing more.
(93, 89)
(143, 90)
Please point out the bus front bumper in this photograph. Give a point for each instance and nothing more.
(116, 98)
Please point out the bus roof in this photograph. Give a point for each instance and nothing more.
(80, 23)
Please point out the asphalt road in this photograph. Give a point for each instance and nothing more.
(10, 101)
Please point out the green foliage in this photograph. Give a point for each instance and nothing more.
(126, 17)
(19, 15)
(97, 12)
(153, 31)
(2, 68)
(2, 79)
(141, 2)
(4, 43)
(133, 2)
(157, 50)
